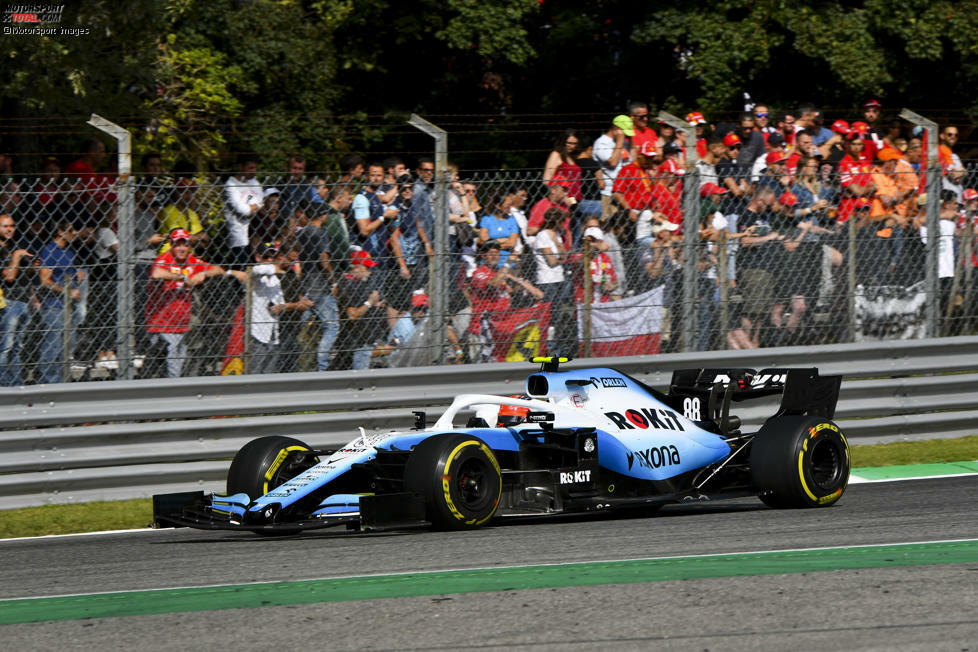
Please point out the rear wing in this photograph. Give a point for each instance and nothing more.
(803, 391)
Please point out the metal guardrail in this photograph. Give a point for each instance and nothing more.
(101, 441)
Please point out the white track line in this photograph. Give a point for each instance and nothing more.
(855, 479)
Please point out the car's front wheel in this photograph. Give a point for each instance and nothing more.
(267, 462)
(799, 461)
(459, 479)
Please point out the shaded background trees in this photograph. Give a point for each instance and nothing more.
(203, 80)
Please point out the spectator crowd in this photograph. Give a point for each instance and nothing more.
(303, 271)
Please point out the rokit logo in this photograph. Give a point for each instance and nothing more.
(656, 418)
(575, 477)
(653, 458)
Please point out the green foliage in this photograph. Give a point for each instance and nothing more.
(821, 51)
(494, 29)
(203, 79)
(194, 92)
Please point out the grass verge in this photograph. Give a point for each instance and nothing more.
(931, 451)
(131, 514)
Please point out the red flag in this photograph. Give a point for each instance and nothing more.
(233, 355)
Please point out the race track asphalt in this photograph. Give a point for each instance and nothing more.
(926, 607)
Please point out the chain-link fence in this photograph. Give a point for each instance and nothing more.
(263, 274)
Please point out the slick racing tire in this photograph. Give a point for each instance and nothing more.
(265, 463)
(459, 479)
(799, 461)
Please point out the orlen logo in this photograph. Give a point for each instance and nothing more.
(644, 418)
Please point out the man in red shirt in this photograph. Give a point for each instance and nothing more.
(633, 189)
(668, 191)
(855, 175)
(168, 307)
(639, 113)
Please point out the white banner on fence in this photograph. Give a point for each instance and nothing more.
(628, 326)
(890, 312)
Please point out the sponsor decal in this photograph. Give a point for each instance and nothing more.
(644, 418)
(575, 477)
(758, 381)
(578, 400)
(822, 426)
(832, 496)
(283, 492)
(613, 382)
(653, 458)
(636, 417)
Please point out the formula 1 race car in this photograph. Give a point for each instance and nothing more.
(578, 440)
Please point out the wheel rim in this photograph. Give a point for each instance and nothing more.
(473, 484)
(826, 464)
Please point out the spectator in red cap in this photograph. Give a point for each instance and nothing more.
(871, 110)
(173, 276)
(855, 175)
(775, 176)
(834, 149)
(870, 146)
(363, 314)
(731, 174)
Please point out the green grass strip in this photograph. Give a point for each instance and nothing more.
(915, 470)
(135, 603)
(915, 452)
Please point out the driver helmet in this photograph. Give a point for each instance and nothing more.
(511, 415)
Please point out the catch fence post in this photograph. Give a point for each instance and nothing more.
(438, 293)
(932, 169)
(124, 266)
(691, 224)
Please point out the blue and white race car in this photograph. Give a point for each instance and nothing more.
(577, 440)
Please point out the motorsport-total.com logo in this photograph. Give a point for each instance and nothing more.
(37, 20)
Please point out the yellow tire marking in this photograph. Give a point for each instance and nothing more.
(282, 454)
(447, 487)
(801, 471)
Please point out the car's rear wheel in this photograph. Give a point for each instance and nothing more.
(267, 462)
(459, 479)
(800, 461)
